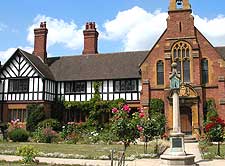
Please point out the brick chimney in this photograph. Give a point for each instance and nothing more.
(90, 39)
(40, 41)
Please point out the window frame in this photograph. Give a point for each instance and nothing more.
(160, 73)
(203, 71)
(181, 53)
(17, 113)
(74, 87)
(15, 86)
(125, 85)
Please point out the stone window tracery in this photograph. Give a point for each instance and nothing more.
(181, 54)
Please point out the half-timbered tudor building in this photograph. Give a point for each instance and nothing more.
(135, 76)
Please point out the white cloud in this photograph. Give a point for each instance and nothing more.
(59, 32)
(5, 55)
(137, 28)
(213, 29)
(2, 26)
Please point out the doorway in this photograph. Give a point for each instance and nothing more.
(186, 120)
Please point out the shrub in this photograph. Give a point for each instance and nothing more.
(71, 132)
(35, 115)
(28, 153)
(50, 123)
(44, 135)
(18, 135)
(127, 127)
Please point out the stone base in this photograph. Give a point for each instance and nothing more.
(167, 159)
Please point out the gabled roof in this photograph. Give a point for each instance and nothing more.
(39, 65)
(221, 51)
(97, 66)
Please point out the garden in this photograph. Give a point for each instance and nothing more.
(211, 144)
(111, 131)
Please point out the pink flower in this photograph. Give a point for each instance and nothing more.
(141, 110)
(141, 115)
(126, 108)
(114, 110)
(140, 128)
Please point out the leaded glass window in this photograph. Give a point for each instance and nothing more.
(182, 56)
(160, 73)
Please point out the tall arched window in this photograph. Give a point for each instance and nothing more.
(205, 72)
(181, 54)
(160, 73)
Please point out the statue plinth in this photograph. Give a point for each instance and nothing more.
(176, 154)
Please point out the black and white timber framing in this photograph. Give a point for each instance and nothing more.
(42, 88)
(107, 92)
(18, 67)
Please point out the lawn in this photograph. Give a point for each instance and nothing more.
(209, 151)
(77, 150)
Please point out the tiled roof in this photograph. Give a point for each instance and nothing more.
(38, 64)
(97, 66)
(221, 51)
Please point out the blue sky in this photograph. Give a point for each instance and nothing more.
(124, 25)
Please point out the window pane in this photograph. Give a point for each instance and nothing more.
(80, 87)
(14, 115)
(178, 67)
(183, 53)
(205, 77)
(122, 85)
(133, 85)
(20, 115)
(160, 73)
(128, 85)
(117, 86)
(67, 87)
(179, 53)
(19, 85)
(186, 71)
(187, 53)
(175, 54)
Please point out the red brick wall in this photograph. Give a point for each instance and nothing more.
(201, 48)
(40, 41)
(90, 39)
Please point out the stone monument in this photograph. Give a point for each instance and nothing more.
(176, 154)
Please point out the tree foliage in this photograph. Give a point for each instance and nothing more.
(214, 125)
(36, 114)
(154, 125)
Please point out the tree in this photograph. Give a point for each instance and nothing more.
(214, 125)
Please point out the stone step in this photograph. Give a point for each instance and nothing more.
(189, 139)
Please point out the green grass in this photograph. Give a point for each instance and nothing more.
(89, 151)
(209, 151)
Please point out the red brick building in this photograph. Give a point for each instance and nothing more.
(201, 67)
(137, 77)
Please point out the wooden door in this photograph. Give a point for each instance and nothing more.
(186, 121)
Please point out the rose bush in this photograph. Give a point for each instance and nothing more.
(126, 126)
(214, 129)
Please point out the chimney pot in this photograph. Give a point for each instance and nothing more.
(40, 41)
(90, 39)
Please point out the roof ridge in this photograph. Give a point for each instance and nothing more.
(99, 54)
